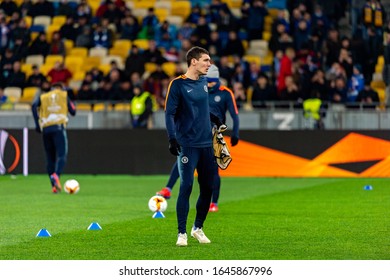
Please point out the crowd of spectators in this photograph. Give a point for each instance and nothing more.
(310, 53)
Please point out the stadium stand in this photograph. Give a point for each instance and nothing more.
(80, 60)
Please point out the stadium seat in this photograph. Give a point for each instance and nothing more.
(268, 59)
(150, 67)
(236, 12)
(234, 4)
(83, 107)
(381, 94)
(34, 35)
(59, 20)
(122, 44)
(249, 94)
(42, 20)
(51, 59)
(50, 30)
(258, 44)
(379, 68)
(268, 20)
(130, 5)
(377, 76)
(75, 85)
(268, 27)
(122, 107)
(267, 35)
(140, 14)
(105, 68)
(142, 44)
(144, 4)
(101, 107)
(68, 45)
(13, 93)
(167, 5)
(120, 47)
(257, 52)
(245, 44)
(90, 62)
(79, 51)
(94, 5)
(381, 60)
(78, 75)
(162, 13)
(181, 8)
(253, 58)
(378, 84)
(175, 20)
(45, 68)
(273, 12)
(35, 59)
(29, 94)
(28, 20)
(101, 52)
(169, 68)
(123, 53)
(27, 69)
(117, 58)
(74, 63)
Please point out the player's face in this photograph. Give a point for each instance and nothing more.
(203, 64)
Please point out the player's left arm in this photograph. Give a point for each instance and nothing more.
(34, 108)
(71, 107)
(233, 111)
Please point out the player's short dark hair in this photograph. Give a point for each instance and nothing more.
(195, 52)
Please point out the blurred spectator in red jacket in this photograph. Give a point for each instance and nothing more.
(59, 74)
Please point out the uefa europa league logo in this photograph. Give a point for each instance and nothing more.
(4, 137)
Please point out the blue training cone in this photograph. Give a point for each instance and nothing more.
(94, 226)
(43, 233)
(158, 214)
(368, 188)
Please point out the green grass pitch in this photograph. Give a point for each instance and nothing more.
(259, 219)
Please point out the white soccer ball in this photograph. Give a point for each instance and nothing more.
(158, 203)
(71, 186)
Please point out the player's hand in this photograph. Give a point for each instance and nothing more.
(174, 147)
(38, 129)
(234, 140)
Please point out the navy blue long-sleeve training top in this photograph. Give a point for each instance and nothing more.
(187, 113)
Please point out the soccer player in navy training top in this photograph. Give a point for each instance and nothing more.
(221, 100)
(187, 118)
(50, 113)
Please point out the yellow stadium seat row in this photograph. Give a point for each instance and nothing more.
(102, 107)
(29, 94)
(168, 67)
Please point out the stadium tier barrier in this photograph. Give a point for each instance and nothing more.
(260, 153)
